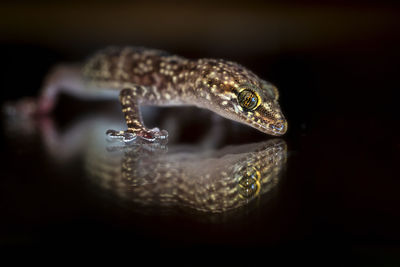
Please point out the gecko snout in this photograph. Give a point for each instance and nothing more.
(280, 127)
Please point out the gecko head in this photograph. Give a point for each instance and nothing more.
(242, 96)
(256, 104)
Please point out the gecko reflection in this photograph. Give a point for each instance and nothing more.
(209, 181)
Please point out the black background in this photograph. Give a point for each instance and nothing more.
(337, 68)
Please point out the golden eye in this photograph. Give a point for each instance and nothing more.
(248, 99)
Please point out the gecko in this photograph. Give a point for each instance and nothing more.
(141, 76)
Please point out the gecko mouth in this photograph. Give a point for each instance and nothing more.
(276, 128)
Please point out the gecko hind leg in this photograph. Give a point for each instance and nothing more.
(65, 78)
(133, 118)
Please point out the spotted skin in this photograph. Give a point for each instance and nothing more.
(209, 181)
(153, 77)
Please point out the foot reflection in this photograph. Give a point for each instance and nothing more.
(213, 181)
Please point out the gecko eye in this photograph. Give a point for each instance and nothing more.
(248, 99)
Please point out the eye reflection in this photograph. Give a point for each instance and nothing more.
(185, 178)
(249, 184)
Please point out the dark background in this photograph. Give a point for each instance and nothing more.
(336, 65)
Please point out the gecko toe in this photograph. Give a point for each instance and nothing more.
(154, 135)
(162, 135)
(120, 135)
(128, 137)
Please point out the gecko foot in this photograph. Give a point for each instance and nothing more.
(153, 135)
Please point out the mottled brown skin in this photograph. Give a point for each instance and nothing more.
(152, 77)
(210, 181)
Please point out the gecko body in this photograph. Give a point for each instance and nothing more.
(152, 77)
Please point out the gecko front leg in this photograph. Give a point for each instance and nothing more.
(131, 109)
